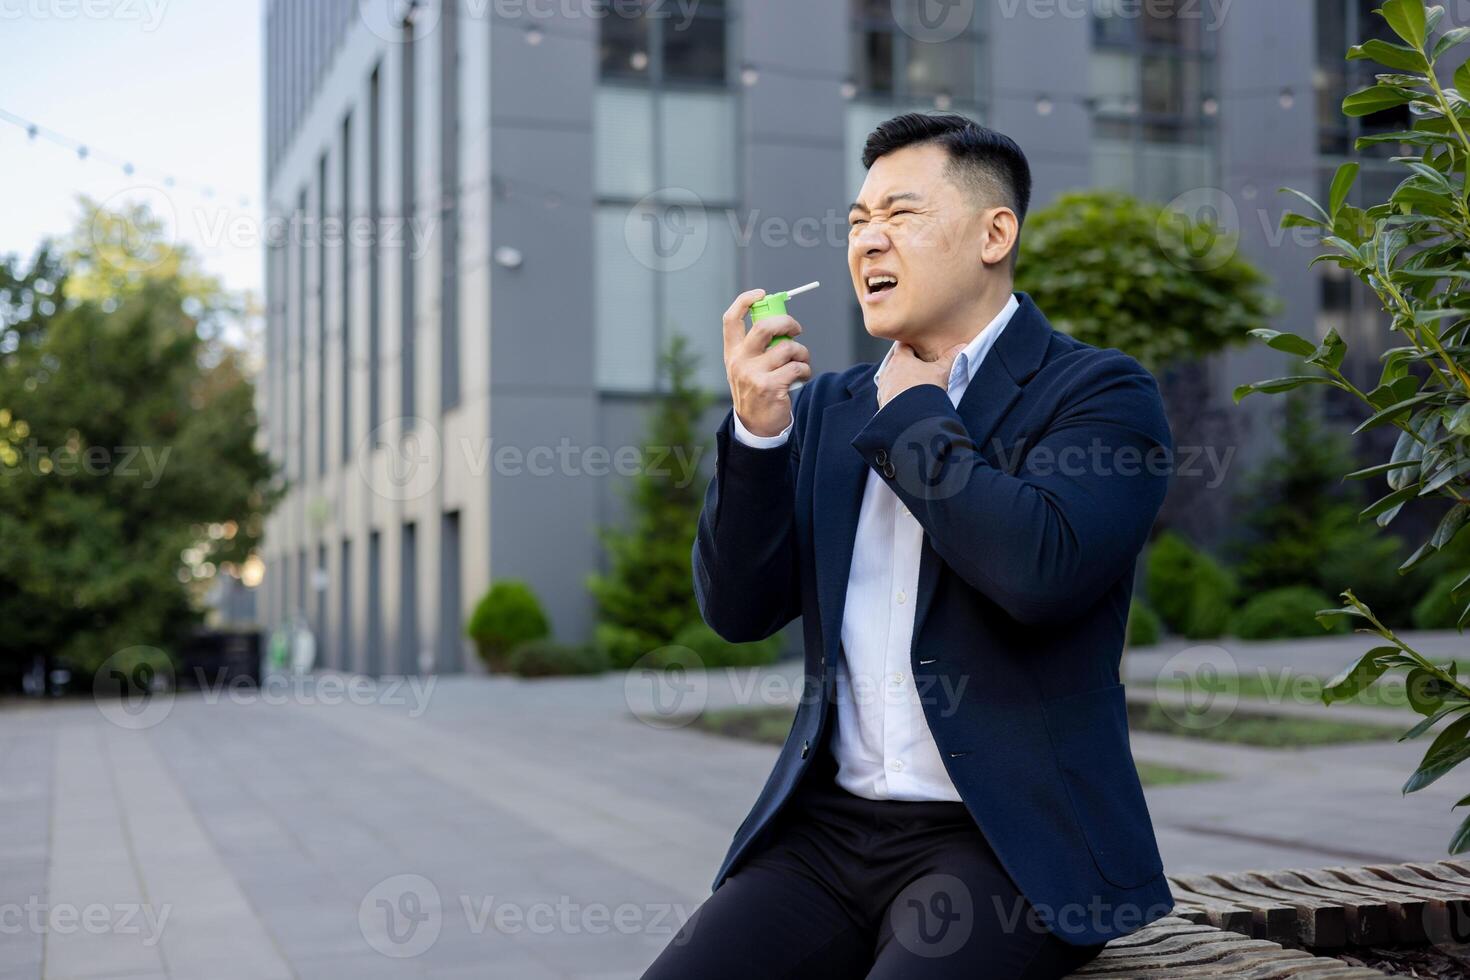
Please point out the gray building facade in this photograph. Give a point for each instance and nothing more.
(497, 213)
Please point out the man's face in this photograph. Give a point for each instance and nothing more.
(914, 225)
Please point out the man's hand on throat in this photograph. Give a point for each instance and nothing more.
(905, 369)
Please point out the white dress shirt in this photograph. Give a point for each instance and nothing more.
(884, 748)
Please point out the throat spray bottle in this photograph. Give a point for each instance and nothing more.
(774, 304)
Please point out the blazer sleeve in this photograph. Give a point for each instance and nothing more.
(746, 563)
(1045, 543)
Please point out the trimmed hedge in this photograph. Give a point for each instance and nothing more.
(546, 658)
(508, 615)
(1289, 611)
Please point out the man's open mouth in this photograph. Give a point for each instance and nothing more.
(878, 284)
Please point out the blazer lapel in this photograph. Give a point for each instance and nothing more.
(842, 473)
(992, 393)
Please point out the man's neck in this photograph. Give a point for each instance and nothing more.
(965, 327)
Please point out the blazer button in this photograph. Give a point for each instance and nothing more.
(888, 470)
(805, 748)
(880, 457)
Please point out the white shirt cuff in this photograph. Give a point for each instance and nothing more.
(744, 435)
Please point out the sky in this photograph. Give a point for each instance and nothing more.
(170, 86)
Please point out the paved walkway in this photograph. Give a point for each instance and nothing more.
(498, 828)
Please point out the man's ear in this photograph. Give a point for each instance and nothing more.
(1002, 228)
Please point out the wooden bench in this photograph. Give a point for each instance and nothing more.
(1252, 924)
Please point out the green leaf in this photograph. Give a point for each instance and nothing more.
(1450, 525)
(1391, 55)
(1432, 483)
(1282, 341)
(1406, 17)
(1432, 769)
(1451, 37)
(1459, 423)
(1428, 723)
(1342, 182)
(1460, 840)
(1387, 507)
(1462, 78)
(1281, 384)
(1379, 470)
(1310, 203)
(1375, 98)
(1356, 678)
(1330, 353)
(1293, 220)
(1420, 553)
(1393, 411)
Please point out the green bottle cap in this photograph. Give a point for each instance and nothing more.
(774, 304)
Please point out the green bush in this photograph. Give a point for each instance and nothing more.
(1285, 612)
(546, 658)
(507, 616)
(624, 645)
(1298, 519)
(1438, 610)
(646, 593)
(1143, 625)
(1192, 593)
(1115, 271)
(714, 651)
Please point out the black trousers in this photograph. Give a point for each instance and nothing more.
(845, 887)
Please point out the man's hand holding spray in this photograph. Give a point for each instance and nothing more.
(764, 365)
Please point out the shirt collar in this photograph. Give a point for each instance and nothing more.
(968, 360)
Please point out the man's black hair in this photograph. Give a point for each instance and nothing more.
(987, 163)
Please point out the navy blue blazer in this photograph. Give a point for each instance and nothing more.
(1036, 495)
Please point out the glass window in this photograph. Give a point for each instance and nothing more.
(667, 266)
(1152, 135)
(694, 52)
(624, 44)
(625, 335)
(623, 141)
(1114, 78)
(947, 68)
(694, 299)
(697, 143)
(872, 60)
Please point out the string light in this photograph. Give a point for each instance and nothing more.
(85, 152)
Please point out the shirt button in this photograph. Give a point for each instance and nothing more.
(902, 598)
(897, 679)
(896, 765)
(903, 510)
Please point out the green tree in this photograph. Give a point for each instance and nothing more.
(646, 596)
(130, 466)
(1413, 252)
(1155, 283)
(1299, 523)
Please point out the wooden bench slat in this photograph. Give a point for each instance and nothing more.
(1407, 916)
(1368, 919)
(1214, 911)
(1319, 922)
(1269, 919)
